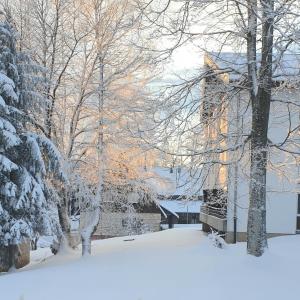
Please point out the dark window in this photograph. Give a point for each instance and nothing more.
(207, 111)
(298, 223)
(298, 210)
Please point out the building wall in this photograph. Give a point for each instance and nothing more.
(283, 172)
(111, 223)
(281, 204)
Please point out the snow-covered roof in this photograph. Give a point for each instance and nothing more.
(179, 181)
(181, 206)
(287, 66)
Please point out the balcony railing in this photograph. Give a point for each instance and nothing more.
(220, 213)
(214, 217)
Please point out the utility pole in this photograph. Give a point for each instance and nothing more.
(236, 170)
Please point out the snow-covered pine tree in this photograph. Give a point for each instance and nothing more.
(29, 162)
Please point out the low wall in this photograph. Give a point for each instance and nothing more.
(111, 224)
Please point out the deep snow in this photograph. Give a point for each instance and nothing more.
(175, 264)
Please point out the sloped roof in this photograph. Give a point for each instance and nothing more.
(235, 64)
(175, 207)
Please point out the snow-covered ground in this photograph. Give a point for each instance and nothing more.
(195, 226)
(177, 264)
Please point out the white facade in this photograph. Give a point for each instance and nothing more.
(283, 168)
(282, 178)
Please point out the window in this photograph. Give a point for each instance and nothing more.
(298, 223)
(298, 213)
(207, 111)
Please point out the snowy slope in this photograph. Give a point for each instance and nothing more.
(175, 264)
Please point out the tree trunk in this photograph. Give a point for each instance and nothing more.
(257, 204)
(260, 94)
(64, 221)
(89, 220)
(86, 244)
(92, 217)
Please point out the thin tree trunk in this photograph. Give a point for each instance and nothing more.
(95, 213)
(86, 244)
(64, 221)
(87, 233)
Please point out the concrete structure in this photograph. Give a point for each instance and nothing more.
(226, 115)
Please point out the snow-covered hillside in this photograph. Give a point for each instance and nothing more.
(177, 264)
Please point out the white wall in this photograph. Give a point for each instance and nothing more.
(282, 175)
(281, 205)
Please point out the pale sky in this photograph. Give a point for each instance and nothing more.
(186, 57)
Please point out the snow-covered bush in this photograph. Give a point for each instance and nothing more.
(216, 239)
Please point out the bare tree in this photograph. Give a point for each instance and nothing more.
(265, 31)
(111, 86)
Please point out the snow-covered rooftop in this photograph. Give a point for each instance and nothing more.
(285, 66)
(179, 181)
(181, 206)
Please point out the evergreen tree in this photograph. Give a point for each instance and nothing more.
(29, 162)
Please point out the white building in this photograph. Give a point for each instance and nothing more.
(226, 114)
(179, 194)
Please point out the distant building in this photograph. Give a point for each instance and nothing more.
(169, 197)
(177, 194)
(180, 211)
